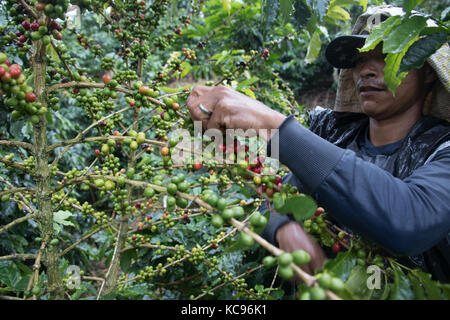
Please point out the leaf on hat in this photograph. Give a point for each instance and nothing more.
(392, 77)
(421, 50)
(401, 36)
(379, 33)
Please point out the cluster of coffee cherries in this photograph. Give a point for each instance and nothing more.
(38, 30)
(316, 227)
(107, 63)
(317, 292)
(16, 94)
(197, 255)
(284, 260)
(189, 53)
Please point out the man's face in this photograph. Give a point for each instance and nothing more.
(376, 100)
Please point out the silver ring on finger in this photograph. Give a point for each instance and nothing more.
(204, 110)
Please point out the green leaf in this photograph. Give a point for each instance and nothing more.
(78, 293)
(286, 9)
(378, 33)
(61, 217)
(278, 201)
(403, 34)
(52, 52)
(445, 287)
(419, 292)
(420, 50)
(357, 283)
(342, 265)
(313, 48)
(391, 76)
(186, 68)
(386, 291)
(9, 274)
(125, 259)
(302, 207)
(409, 5)
(430, 286)
(401, 288)
(248, 92)
(248, 82)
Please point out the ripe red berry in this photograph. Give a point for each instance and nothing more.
(8, 63)
(319, 211)
(133, 238)
(198, 166)
(97, 152)
(30, 97)
(34, 26)
(26, 24)
(106, 78)
(278, 179)
(132, 103)
(2, 71)
(55, 25)
(6, 77)
(256, 170)
(336, 247)
(40, 6)
(15, 65)
(14, 72)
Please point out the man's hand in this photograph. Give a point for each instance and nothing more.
(291, 237)
(232, 110)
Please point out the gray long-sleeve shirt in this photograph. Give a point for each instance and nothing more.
(405, 216)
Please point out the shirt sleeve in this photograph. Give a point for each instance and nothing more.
(406, 216)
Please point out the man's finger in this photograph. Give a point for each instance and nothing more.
(216, 120)
(198, 95)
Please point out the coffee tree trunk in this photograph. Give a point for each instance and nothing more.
(42, 177)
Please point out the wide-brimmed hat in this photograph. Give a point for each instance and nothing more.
(342, 51)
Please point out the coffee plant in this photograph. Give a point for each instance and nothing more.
(93, 205)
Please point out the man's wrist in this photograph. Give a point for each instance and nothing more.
(281, 230)
(271, 125)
